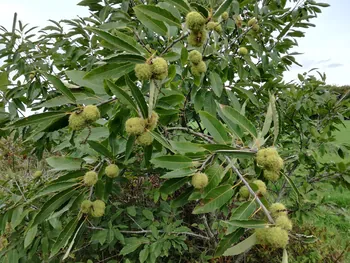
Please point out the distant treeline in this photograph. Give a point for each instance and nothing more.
(340, 89)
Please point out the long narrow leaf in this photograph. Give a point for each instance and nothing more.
(215, 127)
(64, 236)
(268, 121)
(222, 8)
(52, 204)
(242, 246)
(295, 189)
(227, 241)
(216, 198)
(275, 118)
(57, 83)
(159, 14)
(155, 25)
(241, 120)
(121, 95)
(138, 96)
(110, 71)
(182, 5)
(38, 118)
(120, 43)
(72, 242)
(98, 147)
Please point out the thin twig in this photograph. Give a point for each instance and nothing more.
(234, 168)
(91, 191)
(203, 136)
(207, 42)
(283, 189)
(173, 43)
(141, 42)
(19, 188)
(149, 231)
(105, 259)
(106, 102)
(210, 233)
(87, 137)
(136, 223)
(206, 161)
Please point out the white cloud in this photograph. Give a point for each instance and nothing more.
(37, 12)
(327, 46)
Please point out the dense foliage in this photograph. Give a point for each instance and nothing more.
(169, 133)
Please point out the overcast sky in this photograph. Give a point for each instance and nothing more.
(326, 47)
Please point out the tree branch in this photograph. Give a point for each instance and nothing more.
(234, 168)
(106, 102)
(149, 231)
(173, 43)
(201, 135)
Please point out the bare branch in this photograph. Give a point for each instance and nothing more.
(234, 168)
(149, 231)
(203, 136)
(173, 43)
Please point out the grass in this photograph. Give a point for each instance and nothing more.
(342, 137)
(334, 216)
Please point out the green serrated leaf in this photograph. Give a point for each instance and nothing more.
(227, 241)
(160, 138)
(170, 186)
(30, 235)
(242, 246)
(52, 204)
(66, 255)
(122, 95)
(38, 118)
(268, 121)
(61, 163)
(131, 58)
(247, 93)
(178, 173)
(64, 236)
(172, 162)
(186, 147)
(214, 126)
(238, 118)
(57, 83)
(291, 183)
(157, 13)
(121, 42)
(110, 71)
(222, 8)
(98, 147)
(132, 244)
(54, 187)
(182, 5)
(156, 26)
(275, 118)
(245, 223)
(215, 199)
(77, 77)
(137, 94)
(216, 83)
(215, 174)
